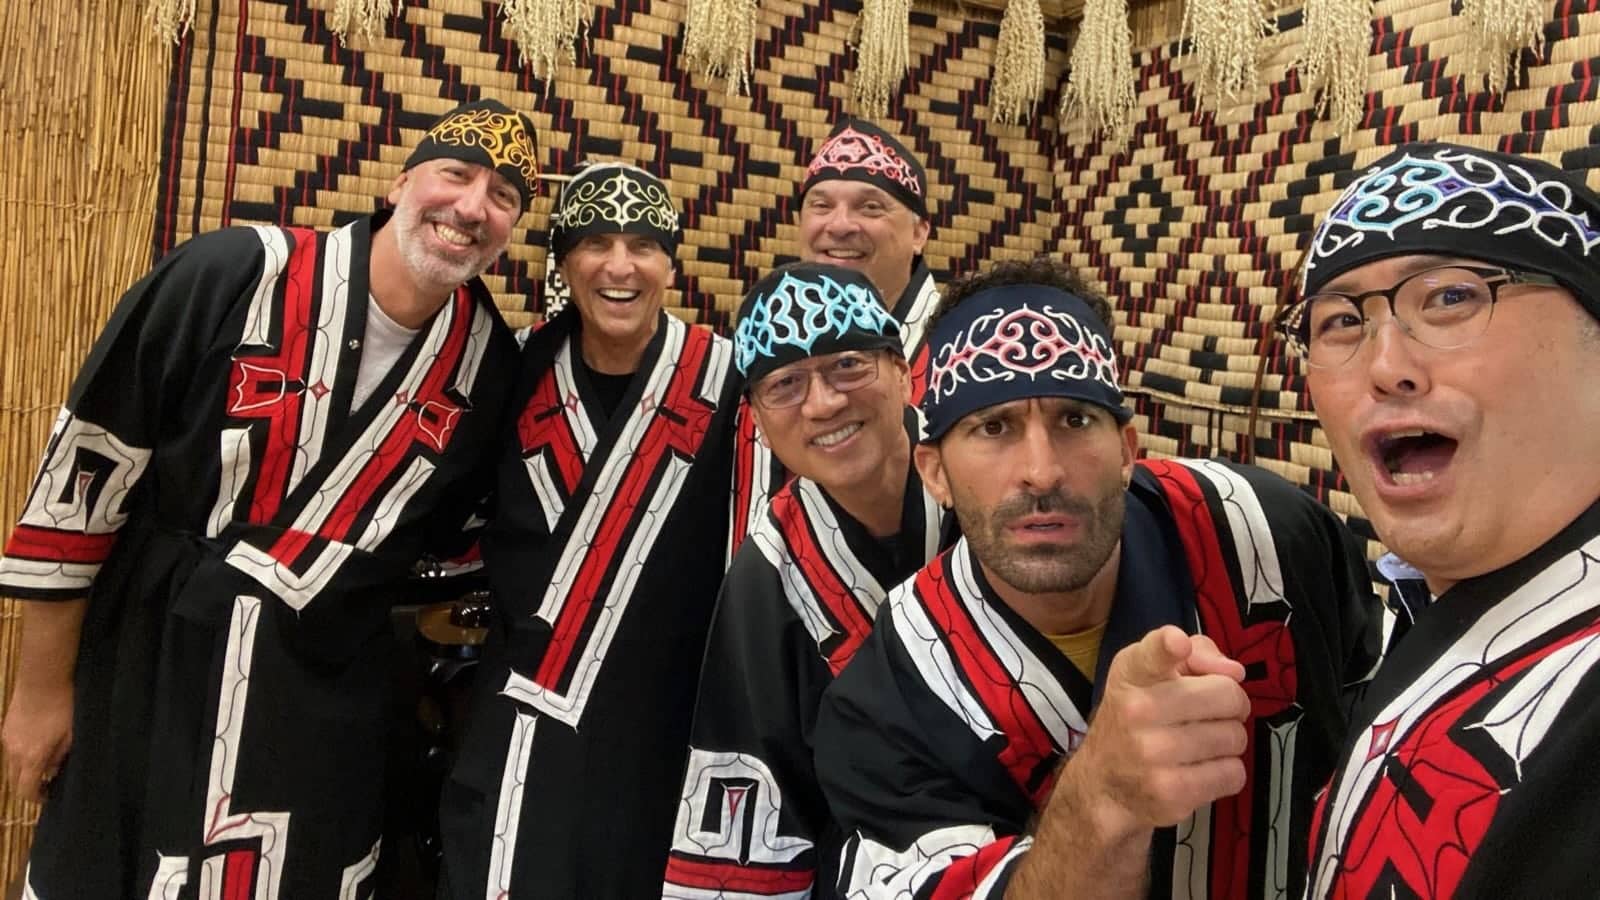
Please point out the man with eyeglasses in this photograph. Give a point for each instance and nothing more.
(828, 384)
(862, 206)
(1125, 679)
(1450, 330)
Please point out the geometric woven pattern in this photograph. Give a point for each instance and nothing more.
(1198, 229)
(282, 124)
(1195, 229)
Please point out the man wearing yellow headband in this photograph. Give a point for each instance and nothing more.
(271, 429)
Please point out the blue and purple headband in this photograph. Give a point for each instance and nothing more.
(1016, 341)
(1451, 200)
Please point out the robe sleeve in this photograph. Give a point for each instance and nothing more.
(919, 819)
(1326, 576)
(751, 816)
(134, 379)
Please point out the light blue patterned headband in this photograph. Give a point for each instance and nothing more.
(809, 309)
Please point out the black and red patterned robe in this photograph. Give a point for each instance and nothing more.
(758, 474)
(604, 553)
(940, 744)
(1473, 767)
(796, 605)
(238, 530)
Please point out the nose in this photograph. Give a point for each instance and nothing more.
(840, 221)
(1041, 466)
(822, 401)
(472, 202)
(1391, 358)
(617, 264)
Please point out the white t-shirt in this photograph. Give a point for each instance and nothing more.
(385, 341)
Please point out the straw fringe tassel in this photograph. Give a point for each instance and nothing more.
(1018, 63)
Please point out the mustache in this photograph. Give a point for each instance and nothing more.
(454, 221)
(1055, 501)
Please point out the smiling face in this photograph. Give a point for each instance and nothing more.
(618, 283)
(862, 227)
(839, 440)
(1466, 460)
(1037, 485)
(452, 220)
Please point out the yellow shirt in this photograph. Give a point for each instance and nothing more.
(1082, 648)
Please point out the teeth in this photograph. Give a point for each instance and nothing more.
(614, 294)
(1408, 433)
(845, 254)
(452, 235)
(835, 437)
(1409, 478)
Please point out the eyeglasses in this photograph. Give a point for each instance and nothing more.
(789, 386)
(1445, 307)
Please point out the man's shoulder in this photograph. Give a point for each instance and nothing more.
(232, 246)
(1227, 478)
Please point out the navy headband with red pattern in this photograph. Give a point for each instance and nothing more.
(1016, 341)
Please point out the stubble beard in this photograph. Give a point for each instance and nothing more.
(1045, 569)
(431, 268)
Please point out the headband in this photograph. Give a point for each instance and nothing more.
(485, 133)
(858, 150)
(1015, 341)
(1458, 201)
(809, 309)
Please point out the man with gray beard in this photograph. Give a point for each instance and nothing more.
(1208, 618)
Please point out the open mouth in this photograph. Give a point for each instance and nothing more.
(455, 237)
(843, 255)
(837, 436)
(1413, 456)
(618, 295)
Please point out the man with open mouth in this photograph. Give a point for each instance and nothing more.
(828, 383)
(864, 206)
(274, 425)
(1449, 328)
(1211, 617)
(604, 552)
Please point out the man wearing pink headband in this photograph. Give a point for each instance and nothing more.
(863, 206)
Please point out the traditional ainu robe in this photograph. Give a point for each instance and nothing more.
(796, 605)
(1472, 772)
(605, 553)
(237, 528)
(757, 473)
(940, 744)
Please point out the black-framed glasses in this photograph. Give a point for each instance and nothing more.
(1444, 307)
(843, 372)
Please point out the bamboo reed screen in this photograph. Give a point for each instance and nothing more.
(80, 124)
(1193, 229)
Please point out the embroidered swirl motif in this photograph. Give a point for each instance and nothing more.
(502, 137)
(1452, 190)
(850, 149)
(621, 199)
(797, 313)
(1006, 344)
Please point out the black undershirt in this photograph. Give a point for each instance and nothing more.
(608, 389)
